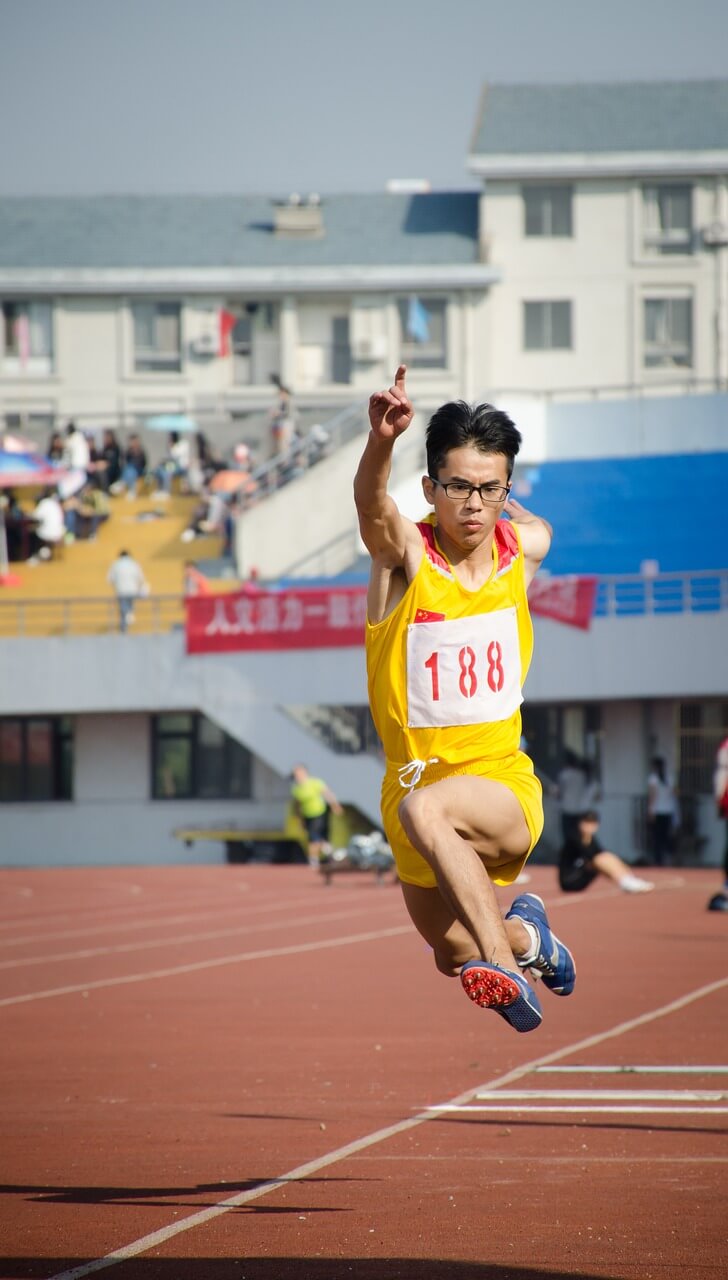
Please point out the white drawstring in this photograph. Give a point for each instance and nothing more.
(410, 774)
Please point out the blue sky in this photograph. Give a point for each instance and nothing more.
(140, 96)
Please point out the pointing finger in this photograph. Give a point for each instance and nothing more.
(399, 377)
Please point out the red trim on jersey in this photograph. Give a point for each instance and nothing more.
(506, 542)
(433, 555)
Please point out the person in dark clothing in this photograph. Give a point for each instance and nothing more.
(583, 858)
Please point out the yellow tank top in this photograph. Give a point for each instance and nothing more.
(445, 669)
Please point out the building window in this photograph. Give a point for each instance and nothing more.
(27, 337)
(547, 326)
(194, 759)
(668, 330)
(703, 726)
(157, 337)
(667, 222)
(423, 329)
(255, 342)
(547, 211)
(36, 758)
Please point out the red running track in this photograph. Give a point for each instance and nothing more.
(235, 1073)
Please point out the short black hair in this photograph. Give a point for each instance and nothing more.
(487, 429)
(591, 815)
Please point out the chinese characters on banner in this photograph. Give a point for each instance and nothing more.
(297, 619)
(334, 617)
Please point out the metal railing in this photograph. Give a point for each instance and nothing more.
(632, 595)
(91, 615)
(618, 596)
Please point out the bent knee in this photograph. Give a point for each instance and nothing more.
(416, 813)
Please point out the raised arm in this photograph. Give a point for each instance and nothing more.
(383, 529)
(535, 534)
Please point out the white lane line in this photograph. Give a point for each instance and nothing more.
(160, 920)
(217, 963)
(610, 1095)
(520, 1109)
(144, 1243)
(174, 940)
(643, 1069)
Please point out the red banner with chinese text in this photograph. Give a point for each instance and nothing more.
(304, 618)
(334, 617)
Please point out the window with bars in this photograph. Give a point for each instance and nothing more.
(547, 326)
(157, 337)
(703, 725)
(36, 758)
(194, 759)
(667, 219)
(547, 210)
(27, 335)
(668, 333)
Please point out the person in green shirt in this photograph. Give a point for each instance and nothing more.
(313, 803)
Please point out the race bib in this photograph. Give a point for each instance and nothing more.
(463, 671)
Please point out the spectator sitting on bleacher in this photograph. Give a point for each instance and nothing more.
(107, 461)
(49, 526)
(85, 511)
(175, 464)
(209, 516)
(134, 467)
(55, 450)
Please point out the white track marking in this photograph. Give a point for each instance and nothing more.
(173, 940)
(610, 1095)
(217, 963)
(145, 1243)
(160, 920)
(516, 1108)
(641, 1070)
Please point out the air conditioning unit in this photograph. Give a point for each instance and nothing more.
(370, 348)
(715, 235)
(206, 345)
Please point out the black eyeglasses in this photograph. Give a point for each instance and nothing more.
(461, 491)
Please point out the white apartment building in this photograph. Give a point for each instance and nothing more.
(605, 211)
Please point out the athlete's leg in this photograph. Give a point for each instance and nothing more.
(461, 826)
(452, 944)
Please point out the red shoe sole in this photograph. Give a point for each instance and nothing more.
(488, 989)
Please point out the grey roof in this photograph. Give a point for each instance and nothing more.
(229, 231)
(667, 116)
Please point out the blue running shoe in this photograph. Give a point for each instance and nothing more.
(508, 994)
(554, 962)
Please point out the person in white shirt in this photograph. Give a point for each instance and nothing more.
(660, 811)
(127, 579)
(50, 526)
(176, 463)
(76, 451)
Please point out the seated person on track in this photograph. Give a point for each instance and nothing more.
(449, 642)
(583, 858)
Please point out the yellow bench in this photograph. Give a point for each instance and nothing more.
(243, 844)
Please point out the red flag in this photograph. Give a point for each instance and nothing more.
(227, 323)
(570, 600)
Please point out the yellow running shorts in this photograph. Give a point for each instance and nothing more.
(515, 772)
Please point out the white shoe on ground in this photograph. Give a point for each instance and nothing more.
(634, 884)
